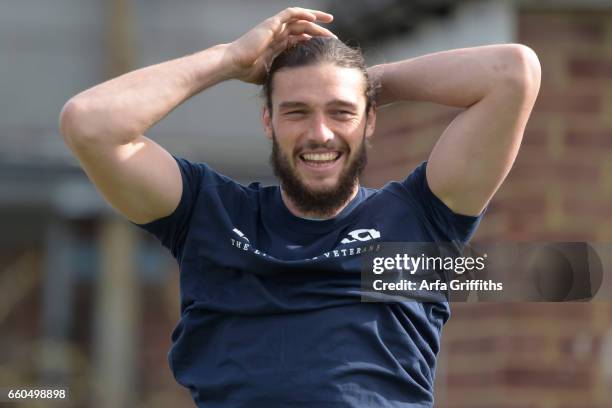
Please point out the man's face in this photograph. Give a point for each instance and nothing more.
(318, 127)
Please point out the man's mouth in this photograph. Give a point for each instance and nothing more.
(320, 159)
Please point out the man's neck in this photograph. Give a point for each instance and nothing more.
(289, 203)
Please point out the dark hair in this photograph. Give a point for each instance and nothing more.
(320, 50)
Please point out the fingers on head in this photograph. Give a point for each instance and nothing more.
(299, 13)
(302, 37)
(281, 46)
(296, 13)
(294, 39)
(307, 27)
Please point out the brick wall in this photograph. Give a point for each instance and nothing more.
(560, 189)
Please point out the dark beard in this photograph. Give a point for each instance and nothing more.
(323, 203)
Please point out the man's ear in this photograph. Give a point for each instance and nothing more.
(266, 119)
(371, 122)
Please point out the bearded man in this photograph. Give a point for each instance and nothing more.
(271, 313)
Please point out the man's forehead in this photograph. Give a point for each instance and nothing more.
(321, 83)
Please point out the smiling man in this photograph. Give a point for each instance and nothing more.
(271, 310)
(320, 149)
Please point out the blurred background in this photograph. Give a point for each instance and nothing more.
(88, 301)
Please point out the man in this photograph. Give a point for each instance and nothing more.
(271, 311)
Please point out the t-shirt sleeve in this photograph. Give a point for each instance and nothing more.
(172, 230)
(451, 226)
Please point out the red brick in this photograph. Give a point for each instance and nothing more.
(548, 29)
(475, 311)
(573, 99)
(542, 378)
(490, 344)
(544, 311)
(535, 137)
(488, 405)
(527, 343)
(577, 204)
(594, 137)
(548, 311)
(567, 346)
(554, 172)
(477, 380)
(496, 344)
(585, 405)
(565, 235)
(556, 101)
(592, 68)
(529, 204)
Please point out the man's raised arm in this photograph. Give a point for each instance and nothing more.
(104, 125)
(498, 86)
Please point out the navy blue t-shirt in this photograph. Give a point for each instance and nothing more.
(271, 310)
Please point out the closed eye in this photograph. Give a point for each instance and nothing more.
(343, 113)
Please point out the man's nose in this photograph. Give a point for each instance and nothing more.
(321, 132)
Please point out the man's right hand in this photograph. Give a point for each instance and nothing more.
(104, 126)
(252, 54)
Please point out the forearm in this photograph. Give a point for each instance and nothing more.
(457, 78)
(119, 110)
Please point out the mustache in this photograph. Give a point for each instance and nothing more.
(334, 144)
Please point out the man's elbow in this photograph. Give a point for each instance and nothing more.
(521, 72)
(69, 119)
(73, 121)
(83, 124)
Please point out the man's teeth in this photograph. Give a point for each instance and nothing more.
(320, 156)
